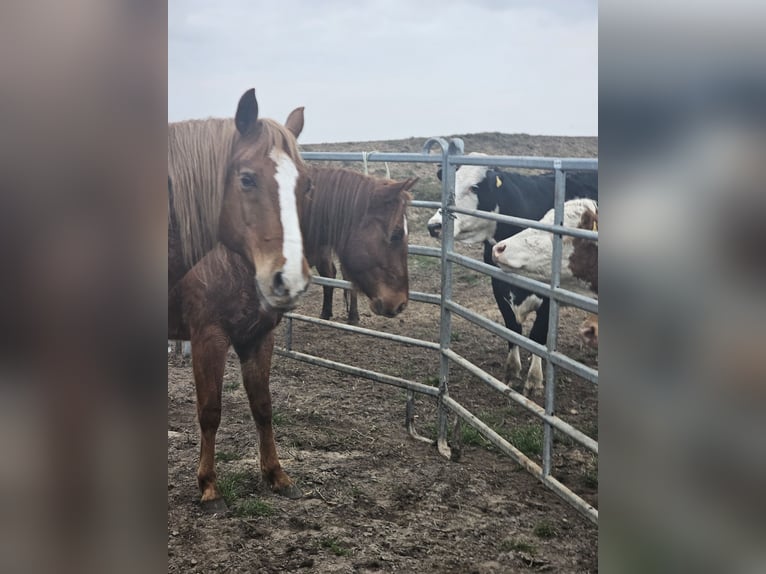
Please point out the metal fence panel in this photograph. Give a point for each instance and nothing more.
(450, 157)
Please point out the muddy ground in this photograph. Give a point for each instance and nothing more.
(374, 499)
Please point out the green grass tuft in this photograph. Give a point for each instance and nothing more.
(335, 547)
(233, 485)
(431, 381)
(510, 544)
(469, 435)
(251, 507)
(545, 529)
(226, 456)
(528, 439)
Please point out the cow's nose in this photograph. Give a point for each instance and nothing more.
(497, 250)
(434, 229)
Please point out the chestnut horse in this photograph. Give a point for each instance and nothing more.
(235, 263)
(363, 220)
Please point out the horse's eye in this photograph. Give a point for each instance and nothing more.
(247, 180)
(397, 235)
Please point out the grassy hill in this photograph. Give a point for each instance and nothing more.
(493, 143)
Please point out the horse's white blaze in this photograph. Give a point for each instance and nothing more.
(292, 246)
(406, 233)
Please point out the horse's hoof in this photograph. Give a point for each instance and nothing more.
(289, 491)
(217, 505)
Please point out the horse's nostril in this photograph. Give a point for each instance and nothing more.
(278, 286)
(401, 308)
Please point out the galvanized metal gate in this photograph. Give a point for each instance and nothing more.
(452, 155)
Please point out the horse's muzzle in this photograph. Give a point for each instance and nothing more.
(380, 308)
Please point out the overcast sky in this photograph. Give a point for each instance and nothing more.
(389, 69)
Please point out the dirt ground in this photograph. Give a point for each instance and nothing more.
(375, 500)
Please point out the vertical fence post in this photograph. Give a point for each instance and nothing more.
(455, 147)
(553, 318)
(289, 333)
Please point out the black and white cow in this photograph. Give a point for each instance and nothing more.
(528, 196)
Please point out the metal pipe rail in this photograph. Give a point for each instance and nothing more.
(534, 224)
(563, 295)
(531, 406)
(451, 156)
(363, 331)
(502, 331)
(518, 456)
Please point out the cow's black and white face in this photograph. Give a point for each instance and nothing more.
(472, 191)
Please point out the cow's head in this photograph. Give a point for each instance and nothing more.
(475, 188)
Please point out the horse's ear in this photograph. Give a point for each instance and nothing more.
(410, 183)
(391, 192)
(294, 121)
(247, 112)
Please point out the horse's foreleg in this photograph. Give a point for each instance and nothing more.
(350, 299)
(352, 306)
(209, 348)
(326, 268)
(256, 364)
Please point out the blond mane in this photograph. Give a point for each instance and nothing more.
(199, 158)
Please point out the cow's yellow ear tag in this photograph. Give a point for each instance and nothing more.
(595, 226)
(498, 183)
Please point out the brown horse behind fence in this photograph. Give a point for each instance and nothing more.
(363, 220)
(235, 263)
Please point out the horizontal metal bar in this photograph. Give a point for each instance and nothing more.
(527, 162)
(556, 358)
(424, 250)
(327, 282)
(427, 204)
(425, 298)
(371, 156)
(580, 504)
(531, 406)
(584, 371)
(363, 331)
(562, 295)
(356, 371)
(532, 223)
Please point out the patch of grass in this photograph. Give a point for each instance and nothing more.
(233, 485)
(428, 430)
(424, 263)
(280, 418)
(528, 439)
(545, 529)
(251, 507)
(232, 385)
(469, 435)
(335, 547)
(227, 456)
(455, 336)
(470, 279)
(431, 381)
(512, 544)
